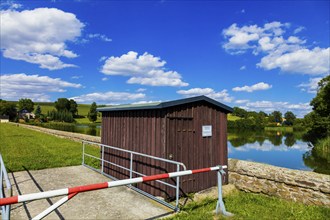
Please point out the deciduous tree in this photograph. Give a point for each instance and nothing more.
(9, 109)
(25, 104)
(62, 104)
(318, 120)
(289, 118)
(276, 116)
(92, 114)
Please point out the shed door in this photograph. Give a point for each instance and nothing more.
(180, 147)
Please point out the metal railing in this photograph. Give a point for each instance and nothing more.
(5, 210)
(131, 171)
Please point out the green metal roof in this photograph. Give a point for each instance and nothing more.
(161, 105)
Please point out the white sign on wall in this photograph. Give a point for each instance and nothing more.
(207, 130)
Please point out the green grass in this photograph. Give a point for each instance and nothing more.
(284, 129)
(22, 147)
(253, 206)
(322, 148)
(231, 117)
(86, 120)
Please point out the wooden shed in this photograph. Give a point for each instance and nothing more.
(192, 131)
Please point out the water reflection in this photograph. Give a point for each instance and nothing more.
(284, 149)
(318, 160)
(90, 129)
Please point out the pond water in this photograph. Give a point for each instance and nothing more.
(272, 147)
(91, 129)
(284, 149)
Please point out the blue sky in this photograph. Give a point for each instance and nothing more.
(258, 55)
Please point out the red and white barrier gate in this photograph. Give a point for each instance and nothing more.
(71, 192)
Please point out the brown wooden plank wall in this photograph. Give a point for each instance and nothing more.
(136, 131)
(185, 142)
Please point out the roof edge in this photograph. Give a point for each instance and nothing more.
(167, 104)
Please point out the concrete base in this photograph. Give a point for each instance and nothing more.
(112, 203)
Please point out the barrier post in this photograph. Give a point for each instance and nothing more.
(220, 204)
(177, 189)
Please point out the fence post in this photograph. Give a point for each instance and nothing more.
(83, 153)
(102, 168)
(220, 204)
(177, 189)
(131, 167)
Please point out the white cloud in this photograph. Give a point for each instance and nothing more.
(220, 96)
(311, 86)
(9, 4)
(35, 87)
(105, 79)
(268, 146)
(299, 29)
(312, 62)
(146, 102)
(241, 101)
(144, 69)
(37, 36)
(289, 54)
(141, 90)
(109, 97)
(103, 58)
(242, 38)
(242, 68)
(255, 87)
(100, 37)
(76, 77)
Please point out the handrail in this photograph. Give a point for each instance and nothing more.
(137, 153)
(131, 171)
(5, 210)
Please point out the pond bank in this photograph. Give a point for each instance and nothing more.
(64, 134)
(296, 185)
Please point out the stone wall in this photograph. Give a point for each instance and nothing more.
(64, 134)
(297, 185)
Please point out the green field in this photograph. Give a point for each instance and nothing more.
(231, 117)
(252, 206)
(24, 148)
(283, 129)
(83, 110)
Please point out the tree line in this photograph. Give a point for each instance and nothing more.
(66, 110)
(258, 120)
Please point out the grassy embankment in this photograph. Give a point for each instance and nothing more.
(279, 128)
(253, 206)
(23, 148)
(83, 110)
